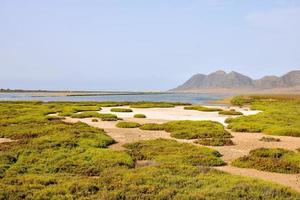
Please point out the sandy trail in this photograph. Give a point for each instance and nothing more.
(244, 142)
(4, 140)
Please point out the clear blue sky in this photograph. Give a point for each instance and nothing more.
(143, 45)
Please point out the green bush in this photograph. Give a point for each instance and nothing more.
(269, 139)
(202, 108)
(139, 116)
(103, 116)
(128, 125)
(214, 141)
(185, 129)
(120, 110)
(230, 112)
(280, 116)
(156, 104)
(172, 152)
(273, 160)
(152, 127)
(95, 120)
(196, 129)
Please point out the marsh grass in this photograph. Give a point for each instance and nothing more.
(208, 132)
(156, 104)
(89, 114)
(202, 108)
(172, 152)
(139, 116)
(273, 160)
(269, 139)
(230, 112)
(127, 125)
(120, 110)
(214, 141)
(152, 127)
(280, 115)
(56, 160)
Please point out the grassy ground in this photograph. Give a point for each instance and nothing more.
(273, 160)
(280, 115)
(55, 160)
(202, 108)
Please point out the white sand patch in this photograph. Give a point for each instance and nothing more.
(178, 113)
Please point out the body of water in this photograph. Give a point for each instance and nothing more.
(172, 97)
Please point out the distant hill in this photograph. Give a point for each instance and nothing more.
(221, 81)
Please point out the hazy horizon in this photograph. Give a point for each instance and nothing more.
(142, 46)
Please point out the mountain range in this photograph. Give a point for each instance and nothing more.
(220, 81)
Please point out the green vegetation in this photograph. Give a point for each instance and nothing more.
(269, 139)
(156, 104)
(152, 127)
(230, 112)
(120, 110)
(128, 125)
(186, 129)
(139, 116)
(56, 160)
(214, 141)
(89, 114)
(95, 120)
(202, 108)
(280, 115)
(164, 151)
(207, 132)
(273, 160)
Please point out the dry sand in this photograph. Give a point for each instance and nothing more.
(178, 113)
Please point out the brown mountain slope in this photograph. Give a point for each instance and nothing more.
(235, 82)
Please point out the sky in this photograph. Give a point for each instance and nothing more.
(136, 45)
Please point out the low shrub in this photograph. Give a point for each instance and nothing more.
(156, 104)
(214, 141)
(273, 160)
(120, 110)
(202, 108)
(196, 129)
(139, 116)
(280, 115)
(95, 120)
(89, 114)
(230, 112)
(171, 152)
(128, 125)
(269, 139)
(214, 132)
(152, 127)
